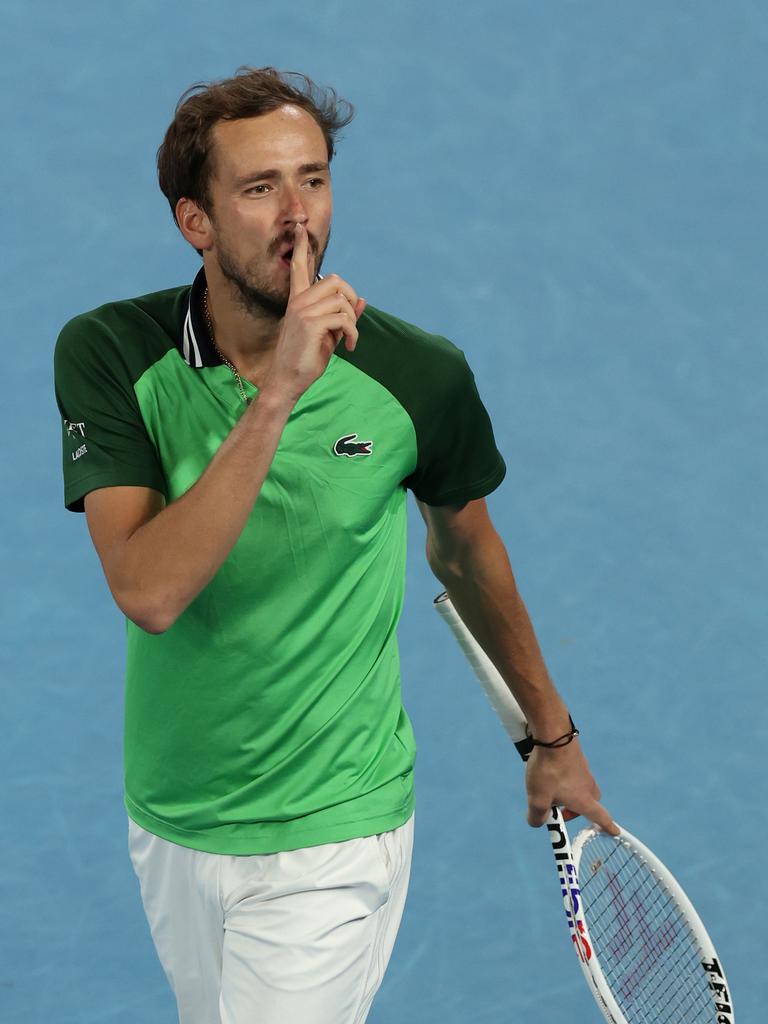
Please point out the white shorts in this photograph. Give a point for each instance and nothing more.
(279, 938)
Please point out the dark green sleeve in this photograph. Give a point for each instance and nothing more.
(458, 460)
(104, 438)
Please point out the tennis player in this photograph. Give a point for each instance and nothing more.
(242, 448)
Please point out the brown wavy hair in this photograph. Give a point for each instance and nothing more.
(185, 161)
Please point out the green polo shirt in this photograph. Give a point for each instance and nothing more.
(269, 716)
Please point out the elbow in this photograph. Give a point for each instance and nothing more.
(154, 614)
(153, 625)
(447, 570)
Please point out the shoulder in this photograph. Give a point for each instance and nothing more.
(132, 332)
(406, 339)
(457, 458)
(409, 361)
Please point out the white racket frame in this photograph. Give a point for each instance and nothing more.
(567, 857)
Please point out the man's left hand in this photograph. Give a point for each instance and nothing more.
(560, 777)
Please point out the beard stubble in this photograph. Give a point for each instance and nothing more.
(257, 296)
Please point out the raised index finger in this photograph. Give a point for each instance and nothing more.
(300, 261)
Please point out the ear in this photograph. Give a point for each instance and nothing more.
(195, 224)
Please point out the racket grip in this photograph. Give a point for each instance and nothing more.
(496, 690)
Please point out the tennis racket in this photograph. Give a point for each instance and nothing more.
(643, 949)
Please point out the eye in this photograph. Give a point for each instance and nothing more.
(316, 182)
(259, 190)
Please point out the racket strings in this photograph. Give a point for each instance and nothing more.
(647, 953)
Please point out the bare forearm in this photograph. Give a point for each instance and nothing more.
(479, 580)
(168, 560)
(468, 557)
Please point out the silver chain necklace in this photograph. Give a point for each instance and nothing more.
(222, 357)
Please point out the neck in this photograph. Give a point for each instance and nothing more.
(247, 338)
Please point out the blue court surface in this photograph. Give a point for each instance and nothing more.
(573, 192)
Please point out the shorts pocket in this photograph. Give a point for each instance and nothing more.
(386, 843)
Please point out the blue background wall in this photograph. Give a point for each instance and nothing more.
(575, 194)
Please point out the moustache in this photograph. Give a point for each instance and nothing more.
(278, 244)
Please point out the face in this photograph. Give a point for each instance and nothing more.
(268, 173)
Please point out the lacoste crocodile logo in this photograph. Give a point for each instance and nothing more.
(350, 446)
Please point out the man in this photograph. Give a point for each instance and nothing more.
(242, 449)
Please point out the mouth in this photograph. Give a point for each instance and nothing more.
(285, 252)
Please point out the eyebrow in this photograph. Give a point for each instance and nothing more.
(271, 173)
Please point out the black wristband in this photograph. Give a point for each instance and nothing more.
(561, 741)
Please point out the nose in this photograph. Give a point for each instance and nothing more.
(293, 208)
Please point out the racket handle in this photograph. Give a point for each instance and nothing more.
(498, 693)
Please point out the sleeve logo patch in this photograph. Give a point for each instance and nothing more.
(74, 429)
(350, 446)
(76, 433)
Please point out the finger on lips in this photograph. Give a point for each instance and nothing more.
(300, 261)
(331, 287)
